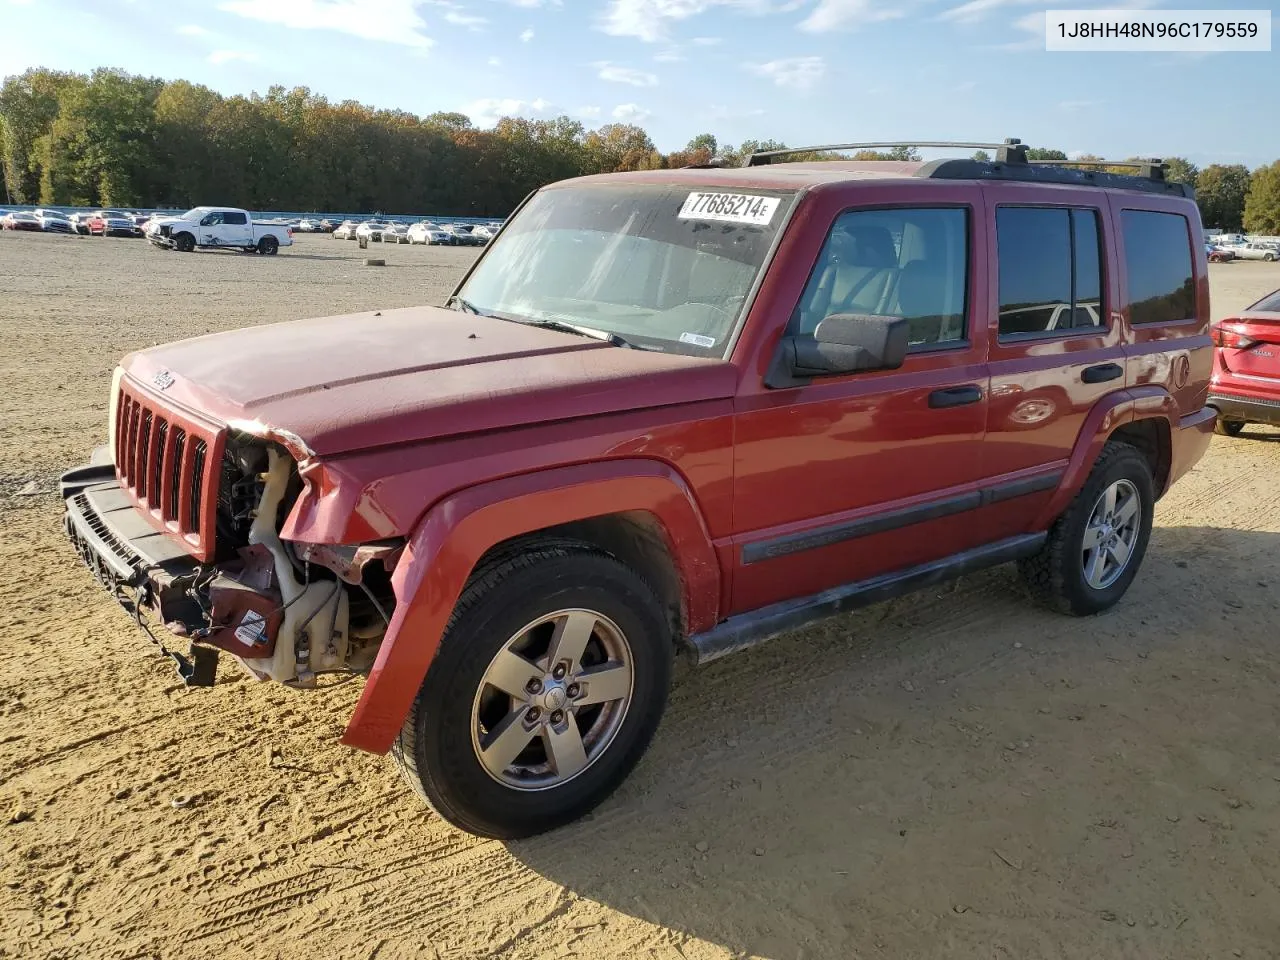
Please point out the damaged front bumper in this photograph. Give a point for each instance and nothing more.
(143, 570)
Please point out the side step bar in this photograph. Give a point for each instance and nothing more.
(748, 629)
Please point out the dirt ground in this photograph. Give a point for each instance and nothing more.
(956, 774)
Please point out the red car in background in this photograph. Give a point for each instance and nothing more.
(112, 223)
(1246, 367)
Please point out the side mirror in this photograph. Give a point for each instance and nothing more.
(842, 343)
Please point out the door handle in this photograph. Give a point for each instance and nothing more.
(955, 396)
(1102, 373)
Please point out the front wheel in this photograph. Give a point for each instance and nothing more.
(184, 243)
(269, 246)
(1095, 548)
(547, 688)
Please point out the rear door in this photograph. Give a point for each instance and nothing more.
(236, 229)
(1054, 331)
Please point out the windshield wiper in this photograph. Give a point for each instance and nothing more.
(567, 327)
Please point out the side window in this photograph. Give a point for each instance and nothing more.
(907, 262)
(239, 219)
(1050, 270)
(212, 220)
(1157, 254)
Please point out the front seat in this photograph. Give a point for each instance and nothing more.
(857, 276)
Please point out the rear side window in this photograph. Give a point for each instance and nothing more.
(1268, 304)
(1157, 253)
(1050, 270)
(236, 218)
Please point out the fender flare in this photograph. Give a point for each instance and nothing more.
(1112, 412)
(456, 532)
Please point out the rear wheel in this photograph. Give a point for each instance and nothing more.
(1095, 548)
(1269, 257)
(1228, 428)
(548, 686)
(269, 246)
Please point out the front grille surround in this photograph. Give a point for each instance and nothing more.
(163, 458)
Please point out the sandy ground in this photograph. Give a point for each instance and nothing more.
(956, 774)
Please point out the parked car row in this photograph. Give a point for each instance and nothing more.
(424, 231)
(97, 223)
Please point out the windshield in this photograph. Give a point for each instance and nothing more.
(664, 267)
(195, 213)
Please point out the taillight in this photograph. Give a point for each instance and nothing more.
(1224, 336)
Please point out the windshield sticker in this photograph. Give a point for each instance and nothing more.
(730, 207)
(697, 339)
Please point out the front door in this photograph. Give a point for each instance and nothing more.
(848, 477)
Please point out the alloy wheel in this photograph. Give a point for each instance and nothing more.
(552, 700)
(1111, 534)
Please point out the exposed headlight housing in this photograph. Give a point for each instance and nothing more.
(113, 411)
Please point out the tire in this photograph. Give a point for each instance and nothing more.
(184, 243)
(1269, 257)
(1228, 428)
(439, 747)
(269, 246)
(1057, 574)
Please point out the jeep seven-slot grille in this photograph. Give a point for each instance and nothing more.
(162, 461)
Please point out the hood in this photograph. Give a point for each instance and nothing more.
(348, 383)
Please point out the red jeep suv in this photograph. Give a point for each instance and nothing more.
(673, 409)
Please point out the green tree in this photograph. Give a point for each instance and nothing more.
(1221, 192)
(1181, 170)
(981, 156)
(1262, 205)
(28, 106)
(1043, 153)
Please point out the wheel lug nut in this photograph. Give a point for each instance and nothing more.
(559, 671)
(533, 715)
(557, 716)
(534, 686)
(573, 690)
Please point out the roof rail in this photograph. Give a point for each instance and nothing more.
(1011, 150)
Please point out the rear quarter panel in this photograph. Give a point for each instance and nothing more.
(1177, 356)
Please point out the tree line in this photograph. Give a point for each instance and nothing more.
(114, 139)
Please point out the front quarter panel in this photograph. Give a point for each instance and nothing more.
(456, 533)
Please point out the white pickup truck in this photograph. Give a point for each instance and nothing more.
(218, 227)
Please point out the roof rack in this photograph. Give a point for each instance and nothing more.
(1012, 163)
(1011, 150)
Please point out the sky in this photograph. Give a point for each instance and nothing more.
(801, 71)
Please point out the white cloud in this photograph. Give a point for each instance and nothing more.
(485, 113)
(651, 20)
(191, 30)
(387, 21)
(465, 19)
(535, 4)
(589, 112)
(706, 41)
(834, 14)
(495, 62)
(526, 35)
(630, 113)
(796, 73)
(627, 75)
(671, 55)
(1032, 28)
(219, 57)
